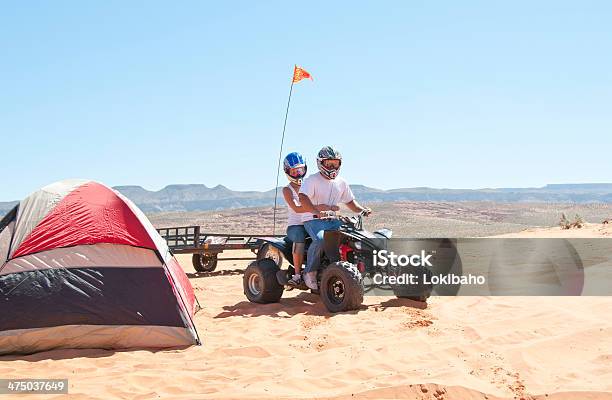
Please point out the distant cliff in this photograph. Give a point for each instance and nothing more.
(199, 197)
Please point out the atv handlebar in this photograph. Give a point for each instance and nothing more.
(355, 221)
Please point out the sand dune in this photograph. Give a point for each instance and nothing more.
(589, 230)
(455, 348)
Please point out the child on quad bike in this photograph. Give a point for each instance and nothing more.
(295, 169)
(321, 193)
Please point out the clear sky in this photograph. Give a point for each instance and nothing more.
(457, 94)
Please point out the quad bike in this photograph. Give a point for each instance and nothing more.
(345, 266)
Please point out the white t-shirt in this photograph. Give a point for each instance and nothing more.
(330, 192)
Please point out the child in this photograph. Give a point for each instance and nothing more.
(295, 169)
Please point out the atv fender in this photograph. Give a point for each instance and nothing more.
(331, 245)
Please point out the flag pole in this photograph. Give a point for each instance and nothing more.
(280, 152)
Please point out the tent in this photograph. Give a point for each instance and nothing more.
(82, 267)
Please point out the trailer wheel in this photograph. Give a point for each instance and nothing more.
(260, 283)
(204, 262)
(271, 252)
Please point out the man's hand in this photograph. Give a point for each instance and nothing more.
(358, 208)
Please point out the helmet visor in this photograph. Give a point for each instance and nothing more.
(297, 172)
(331, 163)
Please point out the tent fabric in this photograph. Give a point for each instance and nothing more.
(8, 218)
(84, 256)
(183, 287)
(160, 243)
(92, 272)
(89, 296)
(91, 213)
(34, 207)
(27, 341)
(5, 240)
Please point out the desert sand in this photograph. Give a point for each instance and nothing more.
(424, 219)
(589, 230)
(452, 348)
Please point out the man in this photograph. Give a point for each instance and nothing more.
(322, 192)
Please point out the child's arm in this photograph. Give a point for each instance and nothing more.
(289, 200)
(306, 204)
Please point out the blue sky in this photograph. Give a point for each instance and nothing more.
(414, 93)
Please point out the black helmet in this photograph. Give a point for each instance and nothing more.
(329, 153)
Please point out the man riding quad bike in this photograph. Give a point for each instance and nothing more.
(337, 253)
(345, 263)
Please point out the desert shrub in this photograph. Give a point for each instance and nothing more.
(565, 223)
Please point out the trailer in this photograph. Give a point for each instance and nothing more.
(206, 247)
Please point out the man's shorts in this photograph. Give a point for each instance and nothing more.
(296, 233)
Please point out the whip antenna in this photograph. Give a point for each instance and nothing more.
(298, 75)
(280, 155)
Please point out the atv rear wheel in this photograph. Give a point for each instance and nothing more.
(418, 292)
(260, 283)
(341, 287)
(271, 252)
(204, 262)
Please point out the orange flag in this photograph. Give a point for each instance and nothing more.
(299, 74)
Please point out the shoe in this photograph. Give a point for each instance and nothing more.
(310, 279)
(296, 280)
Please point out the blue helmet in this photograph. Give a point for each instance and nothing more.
(295, 167)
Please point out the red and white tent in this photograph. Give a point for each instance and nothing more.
(82, 267)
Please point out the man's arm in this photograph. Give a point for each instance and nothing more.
(348, 198)
(356, 207)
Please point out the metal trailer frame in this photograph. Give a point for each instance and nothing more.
(206, 247)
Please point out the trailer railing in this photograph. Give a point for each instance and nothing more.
(205, 246)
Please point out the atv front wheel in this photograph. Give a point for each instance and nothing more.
(204, 262)
(341, 287)
(260, 283)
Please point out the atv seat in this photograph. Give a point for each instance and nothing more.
(307, 241)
